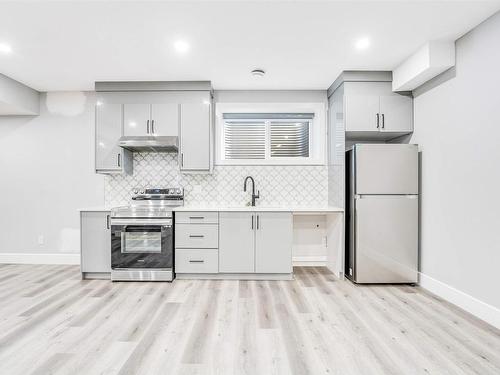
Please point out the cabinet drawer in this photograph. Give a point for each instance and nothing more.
(196, 260)
(196, 236)
(197, 217)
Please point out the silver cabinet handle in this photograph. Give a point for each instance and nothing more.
(257, 222)
(197, 217)
(182, 159)
(383, 121)
(196, 261)
(196, 236)
(119, 160)
(147, 126)
(378, 120)
(107, 221)
(252, 222)
(153, 126)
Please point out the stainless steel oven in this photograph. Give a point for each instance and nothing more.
(142, 238)
(141, 243)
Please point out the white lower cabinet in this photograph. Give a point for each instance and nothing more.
(273, 242)
(255, 242)
(95, 242)
(196, 260)
(237, 242)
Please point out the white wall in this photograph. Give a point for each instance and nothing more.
(457, 125)
(46, 174)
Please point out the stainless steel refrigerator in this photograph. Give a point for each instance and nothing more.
(382, 213)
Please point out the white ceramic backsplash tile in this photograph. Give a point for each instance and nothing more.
(278, 185)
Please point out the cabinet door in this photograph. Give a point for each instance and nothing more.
(361, 112)
(136, 119)
(273, 242)
(195, 137)
(236, 242)
(108, 132)
(397, 113)
(95, 242)
(165, 119)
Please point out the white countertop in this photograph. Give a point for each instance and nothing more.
(95, 209)
(301, 209)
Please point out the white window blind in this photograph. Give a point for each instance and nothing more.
(266, 136)
(289, 139)
(245, 140)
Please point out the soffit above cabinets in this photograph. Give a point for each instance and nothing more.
(17, 99)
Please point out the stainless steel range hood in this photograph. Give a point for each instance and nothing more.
(149, 143)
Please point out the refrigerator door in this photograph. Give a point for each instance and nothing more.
(386, 239)
(386, 169)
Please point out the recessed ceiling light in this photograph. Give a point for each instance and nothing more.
(362, 43)
(5, 48)
(258, 72)
(181, 46)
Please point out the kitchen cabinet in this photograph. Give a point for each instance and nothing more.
(273, 242)
(237, 242)
(368, 109)
(195, 133)
(136, 119)
(255, 242)
(160, 119)
(109, 157)
(373, 113)
(95, 242)
(361, 112)
(397, 113)
(165, 119)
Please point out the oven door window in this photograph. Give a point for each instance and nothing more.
(141, 239)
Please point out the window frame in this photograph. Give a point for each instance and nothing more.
(317, 132)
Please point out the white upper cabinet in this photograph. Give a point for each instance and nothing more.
(371, 110)
(396, 113)
(136, 119)
(361, 112)
(195, 133)
(109, 157)
(151, 119)
(165, 119)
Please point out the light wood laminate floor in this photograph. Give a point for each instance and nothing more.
(51, 322)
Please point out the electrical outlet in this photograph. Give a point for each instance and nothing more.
(41, 239)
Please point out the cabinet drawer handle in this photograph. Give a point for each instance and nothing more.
(196, 236)
(257, 221)
(383, 121)
(147, 126)
(197, 217)
(119, 160)
(196, 261)
(378, 120)
(152, 126)
(107, 221)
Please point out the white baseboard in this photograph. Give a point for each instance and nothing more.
(311, 261)
(480, 309)
(27, 258)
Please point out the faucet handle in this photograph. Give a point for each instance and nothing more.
(258, 194)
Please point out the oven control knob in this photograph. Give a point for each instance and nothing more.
(142, 191)
(136, 191)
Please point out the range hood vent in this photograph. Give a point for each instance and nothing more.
(149, 143)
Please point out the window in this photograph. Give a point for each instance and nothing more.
(267, 133)
(266, 136)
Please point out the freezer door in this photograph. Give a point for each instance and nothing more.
(386, 239)
(386, 168)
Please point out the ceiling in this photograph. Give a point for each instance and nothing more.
(301, 45)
